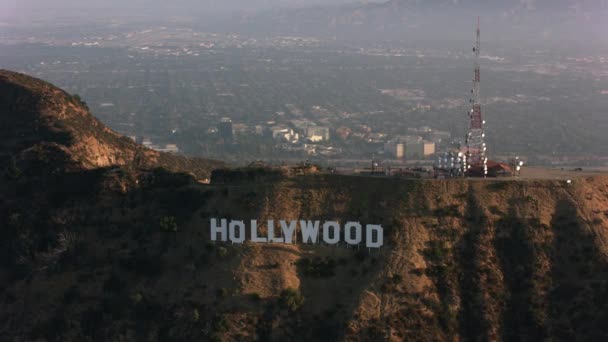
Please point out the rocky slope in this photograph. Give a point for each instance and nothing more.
(93, 253)
(41, 124)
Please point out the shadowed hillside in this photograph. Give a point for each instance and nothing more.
(464, 259)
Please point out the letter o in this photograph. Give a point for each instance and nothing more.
(232, 230)
(336, 232)
(348, 233)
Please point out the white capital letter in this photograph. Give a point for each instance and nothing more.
(222, 230)
(232, 228)
(271, 237)
(310, 231)
(371, 228)
(288, 230)
(254, 233)
(335, 232)
(348, 235)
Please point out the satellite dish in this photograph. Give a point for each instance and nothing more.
(518, 168)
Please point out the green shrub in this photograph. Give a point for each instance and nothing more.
(449, 211)
(12, 171)
(531, 199)
(220, 324)
(137, 298)
(209, 246)
(436, 251)
(223, 292)
(292, 299)
(168, 224)
(78, 100)
(318, 268)
(255, 297)
(498, 186)
(222, 251)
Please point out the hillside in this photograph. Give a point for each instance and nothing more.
(42, 125)
(468, 260)
(90, 252)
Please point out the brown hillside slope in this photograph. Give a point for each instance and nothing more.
(463, 260)
(40, 122)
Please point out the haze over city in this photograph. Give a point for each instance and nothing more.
(366, 73)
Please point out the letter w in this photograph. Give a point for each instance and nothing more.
(310, 231)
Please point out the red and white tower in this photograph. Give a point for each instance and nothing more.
(475, 139)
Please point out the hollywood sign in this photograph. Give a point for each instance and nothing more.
(312, 232)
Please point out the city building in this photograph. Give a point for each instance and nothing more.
(281, 133)
(317, 133)
(226, 131)
(419, 149)
(395, 149)
(169, 148)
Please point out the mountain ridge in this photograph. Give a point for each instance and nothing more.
(40, 121)
(421, 20)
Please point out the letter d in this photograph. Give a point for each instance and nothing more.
(370, 242)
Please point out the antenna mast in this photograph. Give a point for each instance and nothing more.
(476, 146)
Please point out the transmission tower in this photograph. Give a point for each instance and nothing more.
(476, 146)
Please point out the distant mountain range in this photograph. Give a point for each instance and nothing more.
(575, 5)
(449, 19)
(372, 20)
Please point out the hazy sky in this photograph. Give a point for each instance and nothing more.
(510, 18)
(21, 8)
